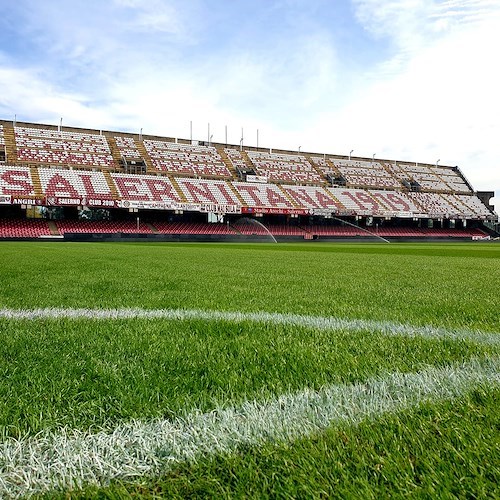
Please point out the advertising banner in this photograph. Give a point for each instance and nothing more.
(274, 210)
(27, 201)
(257, 178)
(5, 199)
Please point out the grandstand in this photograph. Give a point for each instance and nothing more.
(58, 182)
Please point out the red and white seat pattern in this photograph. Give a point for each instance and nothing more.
(23, 228)
(326, 230)
(208, 191)
(62, 148)
(435, 205)
(289, 168)
(366, 173)
(127, 147)
(254, 228)
(186, 159)
(236, 159)
(63, 183)
(262, 195)
(431, 178)
(451, 177)
(192, 228)
(471, 206)
(145, 188)
(16, 181)
(312, 197)
(72, 226)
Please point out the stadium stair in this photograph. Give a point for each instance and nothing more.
(35, 177)
(54, 231)
(111, 185)
(317, 170)
(178, 189)
(10, 144)
(115, 153)
(152, 228)
(247, 160)
(227, 162)
(144, 154)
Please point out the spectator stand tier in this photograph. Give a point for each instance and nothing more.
(284, 168)
(361, 173)
(61, 148)
(77, 184)
(16, 181)
(186, 159)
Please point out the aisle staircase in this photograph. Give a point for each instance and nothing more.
(227, 162)
(115, 153)
(144, 155)
(10, 144)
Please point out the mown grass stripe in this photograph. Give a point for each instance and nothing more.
(72, 459)
(319, 322)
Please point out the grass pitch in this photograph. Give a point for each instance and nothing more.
(89, 376)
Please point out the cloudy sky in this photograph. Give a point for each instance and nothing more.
(414, 80)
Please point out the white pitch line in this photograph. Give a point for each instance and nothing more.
(74, 459)
(318, 322)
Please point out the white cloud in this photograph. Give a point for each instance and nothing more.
(430, 93)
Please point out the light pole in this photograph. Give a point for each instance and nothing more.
(299, 148)
(352, 150)
(210, 140)
(191, 131)
(437, 161)
(373, 157)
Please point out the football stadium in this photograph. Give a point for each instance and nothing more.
(87, 184)
(183, 319)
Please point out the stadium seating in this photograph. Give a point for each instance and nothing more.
(262, 195)
(63, 183)
(255, 228)
(72, 226)
(16, 181)
(192, 228)
(145, 188)
(53, 147)
(74, 167)
(366, 174)
(208, 191)
(23, 228)
(127, 147)
(236, 159)
(312, 197)
(186, 159)
(435, 205)
(472, 206)
(284, 168)
(328, 230)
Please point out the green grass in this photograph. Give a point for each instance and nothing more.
(449, 450)
(88, 374)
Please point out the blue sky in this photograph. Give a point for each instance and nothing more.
(414, 80)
